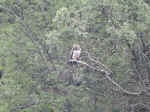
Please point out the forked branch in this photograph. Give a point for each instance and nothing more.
(106, 72)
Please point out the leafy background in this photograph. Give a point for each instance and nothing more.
(36, 37)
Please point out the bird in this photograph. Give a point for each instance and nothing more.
(75, 52)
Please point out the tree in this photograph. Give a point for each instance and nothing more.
(113, 72)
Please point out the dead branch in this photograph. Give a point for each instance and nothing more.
(106, 75)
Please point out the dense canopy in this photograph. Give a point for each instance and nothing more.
(111, 74)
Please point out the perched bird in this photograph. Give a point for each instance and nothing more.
(75, 52)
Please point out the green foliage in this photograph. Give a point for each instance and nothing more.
(35, 42)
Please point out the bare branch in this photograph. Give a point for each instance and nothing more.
(99, 63)
(106, 74)
(23, 106)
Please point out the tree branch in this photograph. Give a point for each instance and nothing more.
(106, 75)
(33, 38)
